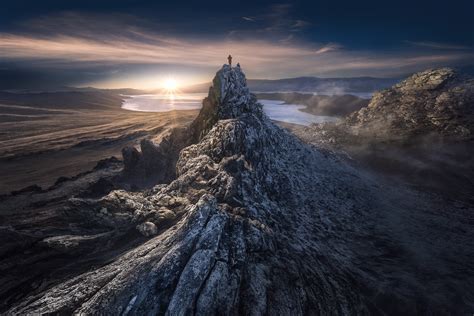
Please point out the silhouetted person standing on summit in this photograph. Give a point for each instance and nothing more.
(230, 60)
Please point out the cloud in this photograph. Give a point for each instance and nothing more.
(436, 45)
(261, 57)
(280, 19)
(279, 10)
(277, 22)
(133, 50)
(299, 24)
(246, 18)
(287, 40)
(328, 48)
(75, 42)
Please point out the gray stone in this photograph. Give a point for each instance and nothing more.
(147, 229)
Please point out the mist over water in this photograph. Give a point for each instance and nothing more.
(290, 113)
(163, 102)
(275, 109)
(331, 92)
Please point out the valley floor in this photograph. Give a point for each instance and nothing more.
(42, 139)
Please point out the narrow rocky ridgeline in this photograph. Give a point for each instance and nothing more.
(253, 221)
(228, 98)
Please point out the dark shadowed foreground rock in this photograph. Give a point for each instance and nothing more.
(155, 162)
(256, 222)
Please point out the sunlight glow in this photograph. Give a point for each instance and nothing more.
(170, 85)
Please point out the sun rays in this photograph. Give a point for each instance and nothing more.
(170, 87)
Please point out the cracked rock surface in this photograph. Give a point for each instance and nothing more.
(257, 222)
(434, 101)
(437, 102)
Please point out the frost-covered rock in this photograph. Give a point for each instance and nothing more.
(433, 105)
(147, 229)
(437, 101)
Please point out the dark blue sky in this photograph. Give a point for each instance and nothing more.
(375, 38)
(359, 23)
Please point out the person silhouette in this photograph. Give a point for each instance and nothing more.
(230, 60)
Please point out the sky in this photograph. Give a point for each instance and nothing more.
(141, 44)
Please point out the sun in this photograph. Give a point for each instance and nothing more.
(170, 85)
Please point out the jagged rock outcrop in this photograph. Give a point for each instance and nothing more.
(256, 222)
(434, 104)
(155, 162)
(228, 98)
(438, 101)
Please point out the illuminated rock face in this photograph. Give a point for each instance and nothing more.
(430, 106)
(256, 222)
(228, 98)
(437, 101)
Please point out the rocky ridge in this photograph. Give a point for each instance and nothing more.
(253, 221)
(155, 163)
(433, 102)
(420, 130)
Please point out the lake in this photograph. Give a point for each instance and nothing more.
(276, 110)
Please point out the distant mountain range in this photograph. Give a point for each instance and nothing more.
(312, 84)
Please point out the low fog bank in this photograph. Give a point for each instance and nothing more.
(434, 163)
(327, 105)
(441, 166)
(328, 86)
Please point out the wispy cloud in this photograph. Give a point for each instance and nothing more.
(328, 48)
(287, 40)
(246, 18)
(435, 45)
(133, 50)
(280, 19)
(78, 44)
(299, 24)
(277, 22)
(261, 57)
